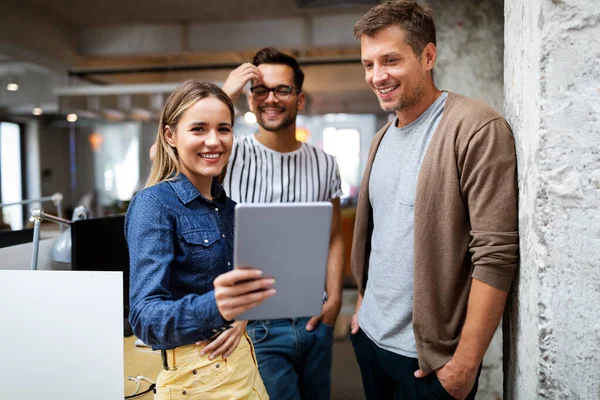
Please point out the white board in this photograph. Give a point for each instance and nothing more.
(61, 335)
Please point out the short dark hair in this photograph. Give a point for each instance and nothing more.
(270, 55)
(415, 19)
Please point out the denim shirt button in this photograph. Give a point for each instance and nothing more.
(205, 240)
(216, 208)
(223, 235)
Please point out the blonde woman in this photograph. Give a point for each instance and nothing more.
(184, 294)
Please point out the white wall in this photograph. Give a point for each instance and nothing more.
(552, 70)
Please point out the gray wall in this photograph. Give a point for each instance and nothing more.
(470, 48)
(552, 70)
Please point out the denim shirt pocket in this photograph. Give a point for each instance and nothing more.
(204, 238)
(201, 245)
(199, 236)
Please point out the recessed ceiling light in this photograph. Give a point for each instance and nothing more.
(12, 87)
(72, 117)
(37, 111)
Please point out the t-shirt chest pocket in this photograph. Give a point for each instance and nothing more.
(407, 187)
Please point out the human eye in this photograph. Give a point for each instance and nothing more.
(367, 65)
(225, 129)
(197, 129)
(283, 90)
(259, 91)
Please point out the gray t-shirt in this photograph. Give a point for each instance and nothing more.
(386, 312)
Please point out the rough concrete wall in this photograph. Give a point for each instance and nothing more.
(552, 74)
(470, 48)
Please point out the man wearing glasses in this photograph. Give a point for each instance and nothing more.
(294, 355)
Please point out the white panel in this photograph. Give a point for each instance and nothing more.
(62, 335)
(130, 40)
(335, 30)
(247, 35)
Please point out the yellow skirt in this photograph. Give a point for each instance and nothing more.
(192, 377)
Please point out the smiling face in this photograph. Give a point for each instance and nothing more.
(273, 114)
(395, 74)
(203, 138)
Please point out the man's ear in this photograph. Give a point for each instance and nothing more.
(169, 136)
(301, 101)
(429, 56)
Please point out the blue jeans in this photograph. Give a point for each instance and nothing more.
(294, 364)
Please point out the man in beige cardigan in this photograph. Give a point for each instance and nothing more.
(436, 237)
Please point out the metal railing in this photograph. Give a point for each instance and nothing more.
(56, 199)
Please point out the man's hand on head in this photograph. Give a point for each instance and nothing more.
(237, 79)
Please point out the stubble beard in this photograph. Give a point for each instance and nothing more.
(405, 100)
(277, 126)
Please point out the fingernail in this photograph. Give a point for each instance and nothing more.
(272, 291)
(270, 281)
(202, 353)
(258, 272)
(309, 327)
(211, 357)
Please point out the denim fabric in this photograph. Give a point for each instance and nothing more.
(179, 242)
(390, 376)
(293, 363)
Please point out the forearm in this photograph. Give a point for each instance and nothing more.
(484, 311)
(335, 269)
(359, 301)
(171, 323)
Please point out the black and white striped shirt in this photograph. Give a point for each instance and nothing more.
(257, 174)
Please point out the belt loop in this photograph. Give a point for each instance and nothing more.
(163, 354)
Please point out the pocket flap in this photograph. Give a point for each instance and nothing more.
(203, 238)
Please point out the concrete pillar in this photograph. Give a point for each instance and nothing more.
(552, 101)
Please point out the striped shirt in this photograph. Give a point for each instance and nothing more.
(257, 174)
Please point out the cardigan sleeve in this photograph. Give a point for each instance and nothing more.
(489, 188)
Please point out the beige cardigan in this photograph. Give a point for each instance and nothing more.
(465, 222)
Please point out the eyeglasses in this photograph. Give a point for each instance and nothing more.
(282, 92)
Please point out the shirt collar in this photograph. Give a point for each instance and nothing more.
(187, 192)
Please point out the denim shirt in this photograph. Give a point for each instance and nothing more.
(179, 242)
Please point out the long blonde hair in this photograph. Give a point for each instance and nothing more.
(166, 162)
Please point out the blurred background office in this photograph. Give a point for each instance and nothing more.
(82, 83)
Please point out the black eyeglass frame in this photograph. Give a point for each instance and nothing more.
(274, 90)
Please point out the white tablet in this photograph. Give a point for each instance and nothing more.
(289, 242)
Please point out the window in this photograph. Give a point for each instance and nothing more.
(344, 145)
(11, 188)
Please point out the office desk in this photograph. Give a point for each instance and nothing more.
(140, 361)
